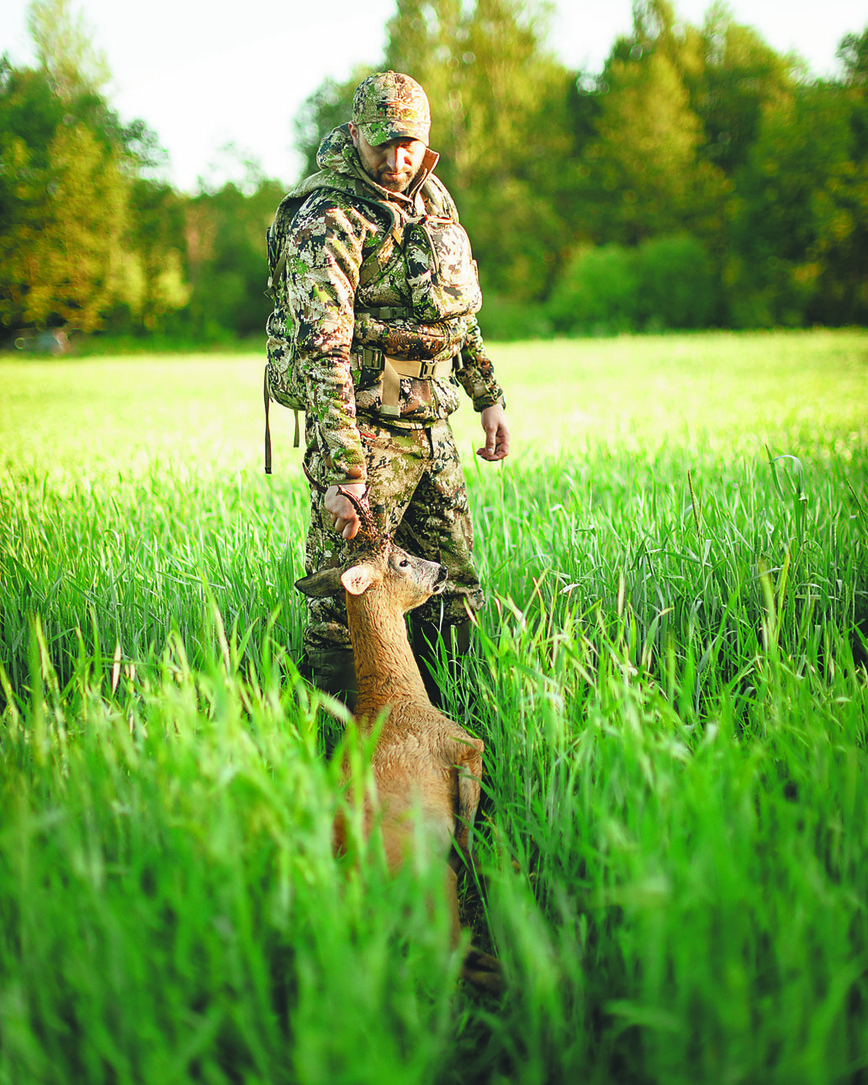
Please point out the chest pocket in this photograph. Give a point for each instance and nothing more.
(441, 271)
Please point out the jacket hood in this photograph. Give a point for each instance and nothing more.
(337, 159)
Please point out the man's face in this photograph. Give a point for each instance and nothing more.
(394, 164)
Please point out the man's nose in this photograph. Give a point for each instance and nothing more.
(396, 158)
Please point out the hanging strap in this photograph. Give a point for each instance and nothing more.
(391, 393)
(266, 395)
(296, 441)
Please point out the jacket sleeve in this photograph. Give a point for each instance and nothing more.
(324, 254)
(476, 375)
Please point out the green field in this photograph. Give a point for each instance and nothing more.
(670, 678)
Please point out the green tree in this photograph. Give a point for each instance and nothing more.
(800, 231)
(853, 54)
(842, 290)
(71, 248)
(225, 233)
(739, 79)
(63, 193)
(74, 263)
(158, 285)
(643, 175)
(65, 50)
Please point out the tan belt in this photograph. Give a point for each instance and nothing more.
(395, 368)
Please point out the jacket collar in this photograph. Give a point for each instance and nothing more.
(337, 153)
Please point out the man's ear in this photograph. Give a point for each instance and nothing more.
(354, 133)
(358, 579)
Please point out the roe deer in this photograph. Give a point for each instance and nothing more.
(424, 763)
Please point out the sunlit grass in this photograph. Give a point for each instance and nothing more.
(83, 419)
(669, 677)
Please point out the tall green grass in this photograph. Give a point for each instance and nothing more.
(669, 678)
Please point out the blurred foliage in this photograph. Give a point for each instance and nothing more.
(700, 179)
(666, 282)
(225, 233)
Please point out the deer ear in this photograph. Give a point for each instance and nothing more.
(358, 579)
(320, 584)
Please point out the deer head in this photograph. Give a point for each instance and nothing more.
(387, 571)
(376, 562)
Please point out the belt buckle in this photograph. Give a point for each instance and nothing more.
(371, 358)
(427, 369)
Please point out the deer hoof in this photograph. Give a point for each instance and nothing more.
(484, 972)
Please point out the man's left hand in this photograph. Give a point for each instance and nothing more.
(496, 433)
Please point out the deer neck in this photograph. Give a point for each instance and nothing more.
(385, 664)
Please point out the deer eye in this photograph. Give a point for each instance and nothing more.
(403, 563)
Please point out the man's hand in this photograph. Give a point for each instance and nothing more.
(496, 433)
(345, 519)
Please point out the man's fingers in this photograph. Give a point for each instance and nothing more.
(344, 518)
(346, 526)
(496, 446)
(490, 447)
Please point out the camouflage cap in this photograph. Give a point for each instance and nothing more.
(388, 105)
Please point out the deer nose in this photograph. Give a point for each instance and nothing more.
(442, 577)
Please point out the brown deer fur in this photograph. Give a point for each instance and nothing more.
(424, 763)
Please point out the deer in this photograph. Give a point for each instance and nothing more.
(424, 764)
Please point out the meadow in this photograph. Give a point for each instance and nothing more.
(669, 676)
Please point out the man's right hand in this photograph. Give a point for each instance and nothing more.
(345, 519)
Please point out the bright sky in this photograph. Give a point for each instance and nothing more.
(203, 77)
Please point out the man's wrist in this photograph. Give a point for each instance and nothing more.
(353, 485)
(352, 475)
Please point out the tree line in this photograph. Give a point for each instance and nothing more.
(700, 180)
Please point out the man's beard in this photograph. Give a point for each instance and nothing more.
(397, 182)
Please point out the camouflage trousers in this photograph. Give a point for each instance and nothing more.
(417, 494)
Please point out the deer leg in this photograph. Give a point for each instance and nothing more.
(480, 969)
(468, 772)
(452, 901)
(483, 971)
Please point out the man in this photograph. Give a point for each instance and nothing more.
(376, 305)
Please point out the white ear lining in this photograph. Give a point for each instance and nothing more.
(358, 579)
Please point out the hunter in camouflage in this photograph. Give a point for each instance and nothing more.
(376, 304)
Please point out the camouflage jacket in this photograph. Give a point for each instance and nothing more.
(345, 287)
